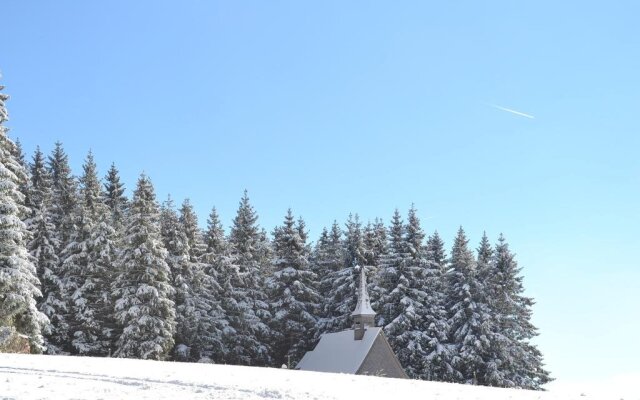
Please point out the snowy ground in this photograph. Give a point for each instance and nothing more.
(59, 377)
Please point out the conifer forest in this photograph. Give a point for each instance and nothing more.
(87, 270)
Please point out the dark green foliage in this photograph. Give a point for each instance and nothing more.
(144, 311)
(292, 294)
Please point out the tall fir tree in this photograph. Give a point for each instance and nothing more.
(328, 259)
(524, 367)
(355, 250)
(493, 352)
(342, 296)
(175, 242)
(198, 313)
(389, 273)
(469, 315)
(249, 314)
(436, 253)
(189, 223)
(43, 248)
(214, 330)
(65, 196)
(142, 292)
(438, 363)
(292, 293)
(88, 264)
(18, 281)
(18, 152)
(64, 199)
(404, 295)
(375, 245)
(115, 199)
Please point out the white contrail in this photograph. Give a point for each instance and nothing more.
(512, 111)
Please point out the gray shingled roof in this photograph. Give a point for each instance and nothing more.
(339, 352)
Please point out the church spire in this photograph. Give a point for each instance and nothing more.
(363, 315)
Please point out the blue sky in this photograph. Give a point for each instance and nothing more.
(339, 107)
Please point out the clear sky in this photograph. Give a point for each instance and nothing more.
(335, 107)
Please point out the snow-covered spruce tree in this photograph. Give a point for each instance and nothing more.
(43, 248)
(470, 317)
(435, 328)
(375, 244)
(195, 308)
(199, 317)
(524, 367)
(403, 295)
(175, 241)
(218, 270)
(495, 352)
(88, 265)
(39, 185)
(342, 296)
(438, 364)
(18, 280)
(355, 251)
(292, 294)
(64, 198)
(248, 313)
(189, 224)
(389, 272)
(327, 260)
(436, 253)
(115, 199)
(142, 292)
(18, 153)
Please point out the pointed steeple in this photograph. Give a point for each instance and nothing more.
(363, 315)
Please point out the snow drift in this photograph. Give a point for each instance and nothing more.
(61, 377)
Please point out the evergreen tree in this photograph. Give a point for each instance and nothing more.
(522, 366)
(142, 292)
(43, 248)
(389, 273)
(23, 186)
(88, 264)
(115, 199)
(438, 363)
(292, 293)
(469, 315)
(249, 310)
(375, 244)
(18, 153)
(39, 184)
(64, 199)
(199, 319)
(355, 251)
(175, 242)
(493, 353)
(405, 294)
(328, 259)
(436, 253)
(344, 281)
(214, 330)
(18, 280)
(193, 234)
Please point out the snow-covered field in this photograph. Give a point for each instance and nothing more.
(59, 377)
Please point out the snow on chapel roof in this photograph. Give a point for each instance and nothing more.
(338, 352)
(363, 307)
